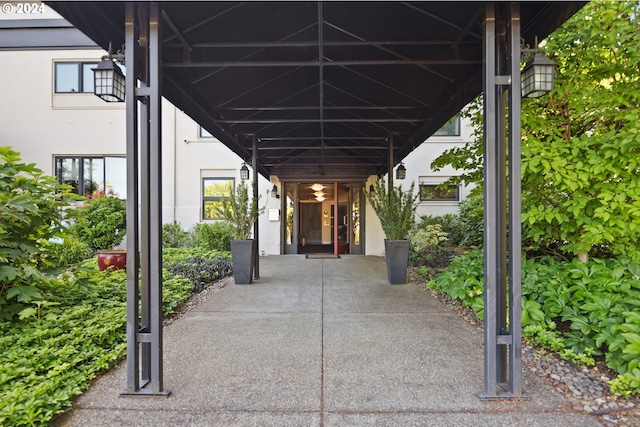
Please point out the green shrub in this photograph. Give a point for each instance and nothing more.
(75, 331)
(471, 211)
(101, 223)
(594, 305)
(173, 236)
(30, 206)
(429, 247)
(450, 224)
(202, 271)
(173, 256)
(212, 236)
(72, 250)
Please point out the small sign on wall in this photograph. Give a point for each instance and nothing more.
(274, 214)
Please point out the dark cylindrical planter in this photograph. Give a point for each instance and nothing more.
(242, 260)
(397, 252)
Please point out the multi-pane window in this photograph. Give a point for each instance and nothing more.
(74, 77)
(213, 191)
(89, 174)
(432, 190)
(451, 128)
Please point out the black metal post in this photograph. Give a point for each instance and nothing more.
(515, 208)
(254, 165)
(133, 228)
(144, 329)
(390, 163)
(502, 333)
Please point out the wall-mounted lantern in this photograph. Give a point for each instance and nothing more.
(401, 171)
(244, 172)
(109, 79)
(538, 73)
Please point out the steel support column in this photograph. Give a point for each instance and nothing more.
(502, 333)
(254, 166)
(144, 200)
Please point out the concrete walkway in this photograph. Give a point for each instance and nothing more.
(321, 342)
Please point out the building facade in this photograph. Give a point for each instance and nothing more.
(52, 118)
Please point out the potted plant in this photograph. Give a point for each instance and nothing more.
(101, 224)
(396, 210)
(241, 213)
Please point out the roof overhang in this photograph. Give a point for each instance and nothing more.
(322, 85)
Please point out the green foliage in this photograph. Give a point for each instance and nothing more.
(173, 236)
(240, 212)
(395, 209)
(101, 224)
(72, 250)
(212, 236)
(30, 206)
(173, 256)
(471, 211)
(429, 247)
(74, 332)
(202, 271)
(580, 144)
(595, 305)
(449, 223)
(463, 279)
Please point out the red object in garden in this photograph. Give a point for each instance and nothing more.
(115, 259)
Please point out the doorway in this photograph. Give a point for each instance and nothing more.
(312, 223)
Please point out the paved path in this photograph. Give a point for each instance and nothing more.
(321, 342)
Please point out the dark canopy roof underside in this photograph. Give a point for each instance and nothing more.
(321, 85)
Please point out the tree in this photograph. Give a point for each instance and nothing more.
(581, 143)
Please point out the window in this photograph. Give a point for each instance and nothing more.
(213, 191)
(74, 77)
(451, 128)
(93, 173)
(433, 190)
(203, 133)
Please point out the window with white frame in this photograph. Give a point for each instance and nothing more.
(451, 128)
(74, 77)
(433, 189)
(213, 191)
(89, 174)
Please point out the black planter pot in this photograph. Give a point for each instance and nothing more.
(397, 252)
(242, 259)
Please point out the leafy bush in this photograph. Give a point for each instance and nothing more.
(76, 331)
(395, 208)
(450, 224)
(72, 250)
(240, 211)
(101, 224)
(594, 305)
(471, 211)
(212, 236)
(173, 256)
(202, 271)
(173, 236)
(429, 247)
(30, 204)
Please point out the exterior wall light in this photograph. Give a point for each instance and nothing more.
(401, 172)
(109, 79)
(244, 172)
(538, 73)
(274, 192)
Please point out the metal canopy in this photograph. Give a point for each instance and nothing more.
(312, 90)
(322, 85)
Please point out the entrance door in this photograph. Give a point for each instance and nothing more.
(308, 222)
